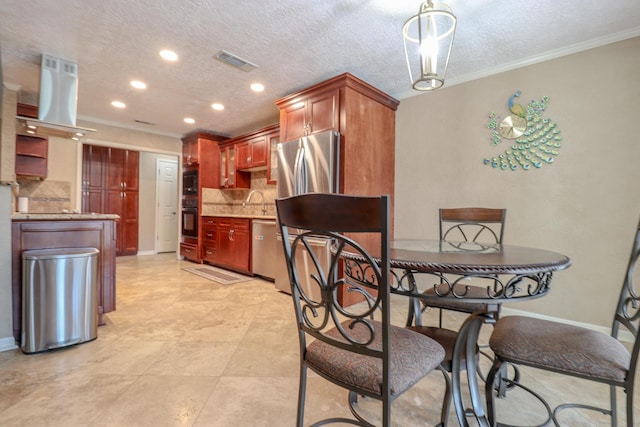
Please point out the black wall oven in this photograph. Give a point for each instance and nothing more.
(190, 217)
(190, 183)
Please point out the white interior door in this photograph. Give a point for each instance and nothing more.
(167, 202)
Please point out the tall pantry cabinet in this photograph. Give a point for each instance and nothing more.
(365, 118)
(110, 185)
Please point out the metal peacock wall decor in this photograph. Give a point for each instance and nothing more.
(536, 139)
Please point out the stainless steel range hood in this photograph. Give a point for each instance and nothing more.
(58, 101)
(29, 126)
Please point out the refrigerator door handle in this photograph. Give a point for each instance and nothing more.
(300, 172)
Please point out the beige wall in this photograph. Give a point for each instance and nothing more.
(8, 135)
(127, 138)
(7, 177)
(586, 205)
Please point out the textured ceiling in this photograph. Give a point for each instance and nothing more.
(295, 44)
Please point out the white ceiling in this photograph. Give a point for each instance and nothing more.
(295, 43)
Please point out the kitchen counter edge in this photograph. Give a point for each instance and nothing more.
(62, 216)
(265, 217)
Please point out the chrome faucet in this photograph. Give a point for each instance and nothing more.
(244, 204)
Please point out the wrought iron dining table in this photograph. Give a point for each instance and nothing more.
(513, 273)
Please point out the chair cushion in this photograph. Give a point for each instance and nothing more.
(447, 339)
(458, 304)
(560, 347)
(412, 357)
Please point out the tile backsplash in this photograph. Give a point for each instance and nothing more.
(46, 196)
(50, 196)
(229, 202)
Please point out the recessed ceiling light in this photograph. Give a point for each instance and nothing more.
(257, 87)
(169, 55)
(138, 84)
(189, 120)
(118, 104)
(217, 106)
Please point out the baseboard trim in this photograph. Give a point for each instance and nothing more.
(7, 343)
(141, 253)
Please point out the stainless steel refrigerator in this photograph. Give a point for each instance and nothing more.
(306, 165)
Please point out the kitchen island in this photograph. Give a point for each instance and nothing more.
(64, 230)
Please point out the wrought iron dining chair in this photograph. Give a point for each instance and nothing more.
(345, 345)
(575, 351)
(485, 225)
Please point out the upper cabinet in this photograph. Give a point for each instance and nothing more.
(308, 114)
(31, 156)
(230, 177)
(252, 149)
(252, 154)
(200, 150)
(190, 153)
(122, 174)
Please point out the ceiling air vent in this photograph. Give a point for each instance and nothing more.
(235, 61)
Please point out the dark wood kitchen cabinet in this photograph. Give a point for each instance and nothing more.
(230, 177)
(315, 112)
(200, 152)
(31, 156)
(190, 154)
(110, 185)
(200, 155)
(123, 197)
(233, 246)
(252, 153)
(365, 118)
(253, 149)
(209, 239)
(93, 178)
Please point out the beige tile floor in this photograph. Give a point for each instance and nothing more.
(184, 351)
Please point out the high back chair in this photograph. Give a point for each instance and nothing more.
(482, 225)
(354, 347)
(576, 351)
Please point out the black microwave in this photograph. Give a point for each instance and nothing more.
(190, 183)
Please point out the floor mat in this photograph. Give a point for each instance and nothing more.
(217, 274)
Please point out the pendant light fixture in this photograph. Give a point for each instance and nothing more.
(428, 37)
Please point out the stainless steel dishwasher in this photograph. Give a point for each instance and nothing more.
(263, 252)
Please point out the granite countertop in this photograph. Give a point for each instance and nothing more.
(265, 217)
(62, 216)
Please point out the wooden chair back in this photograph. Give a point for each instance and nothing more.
(483, 225)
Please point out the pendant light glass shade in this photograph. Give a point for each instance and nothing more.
(428, 37)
